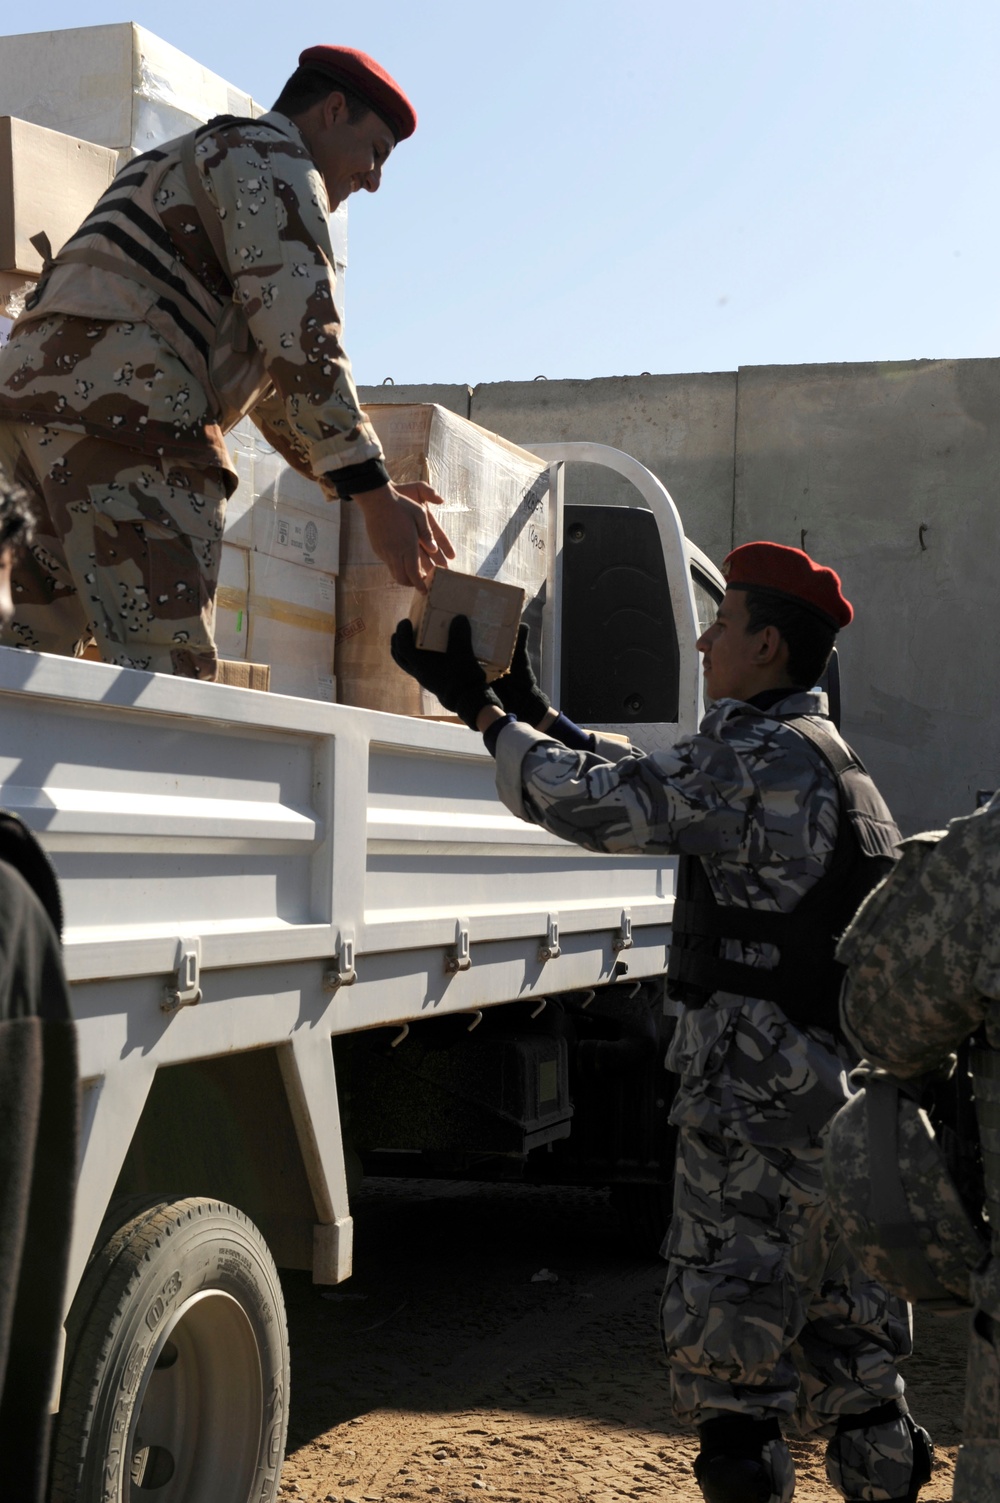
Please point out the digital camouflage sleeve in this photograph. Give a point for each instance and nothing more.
(924, 949)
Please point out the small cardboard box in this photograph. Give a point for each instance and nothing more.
(244, 675)
(494, 612)
(48, 182)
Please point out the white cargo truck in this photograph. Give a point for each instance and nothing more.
(307, 942)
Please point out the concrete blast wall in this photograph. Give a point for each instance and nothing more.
(888, 473)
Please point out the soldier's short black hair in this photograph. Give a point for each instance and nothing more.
(810, 640)
(17, 524)
(307, 86)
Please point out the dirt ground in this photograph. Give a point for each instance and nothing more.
(502, 1341)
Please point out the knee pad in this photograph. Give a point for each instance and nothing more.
(732, 1466)
(881, 1448)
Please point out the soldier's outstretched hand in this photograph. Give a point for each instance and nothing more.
(404, 532)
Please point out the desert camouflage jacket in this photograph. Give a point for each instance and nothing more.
(759, 805)
(924, 950)
(142, 334)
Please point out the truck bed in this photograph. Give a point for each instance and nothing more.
(242, 871)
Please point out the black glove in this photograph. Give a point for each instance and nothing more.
(518, 688)
(455, 676)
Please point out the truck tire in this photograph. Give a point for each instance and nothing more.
(176, 1384)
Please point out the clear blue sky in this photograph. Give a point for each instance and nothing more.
(601, 189)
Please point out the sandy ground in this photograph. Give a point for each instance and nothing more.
(501, 1342)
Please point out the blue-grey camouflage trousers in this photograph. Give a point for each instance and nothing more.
(765, 1315)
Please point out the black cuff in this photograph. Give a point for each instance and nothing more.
(355, 479)
(570, 734)
(491, 735)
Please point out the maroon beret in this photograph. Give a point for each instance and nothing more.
(789, 572)
(364, 77)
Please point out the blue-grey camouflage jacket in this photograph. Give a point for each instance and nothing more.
(751, 797)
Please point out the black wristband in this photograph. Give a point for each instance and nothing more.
(355, 479)
(491, 735)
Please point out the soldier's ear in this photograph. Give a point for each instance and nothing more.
(769, 646)
(335, 110)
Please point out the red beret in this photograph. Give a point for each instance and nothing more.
(363, 76)
(789, 572)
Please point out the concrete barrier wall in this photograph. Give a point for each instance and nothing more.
(890, 473)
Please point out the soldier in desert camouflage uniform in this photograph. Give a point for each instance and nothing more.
(924, 974)
(200, 287)
(768, 1324)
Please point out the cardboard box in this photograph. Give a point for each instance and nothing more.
(244, 675)
(277, 511)
(494, 612)
(232, 603)
(494, 492)
(279, 614)
(48, 181)
(495, 512)
(118, 85)
(291, 614)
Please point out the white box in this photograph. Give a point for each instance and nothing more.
(277, 511)
(291, 625)
(495, 511)
(48, 182)
(118, 85)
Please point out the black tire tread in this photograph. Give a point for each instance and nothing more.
(101, 1301)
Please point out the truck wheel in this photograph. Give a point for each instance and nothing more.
(176, 1385)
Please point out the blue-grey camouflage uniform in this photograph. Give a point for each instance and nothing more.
(764, 1314)
(924, 973)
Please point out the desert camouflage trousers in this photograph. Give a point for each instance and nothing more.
(765, 1315)
(126, 552)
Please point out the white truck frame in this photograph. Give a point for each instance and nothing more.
(246, 877)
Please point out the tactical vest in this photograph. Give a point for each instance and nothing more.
(199, 316)
(805, 982)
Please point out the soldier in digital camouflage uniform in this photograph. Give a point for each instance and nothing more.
(768, 1325)
(924, 974)
(199, 288)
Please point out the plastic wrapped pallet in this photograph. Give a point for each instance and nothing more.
(495, 513)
